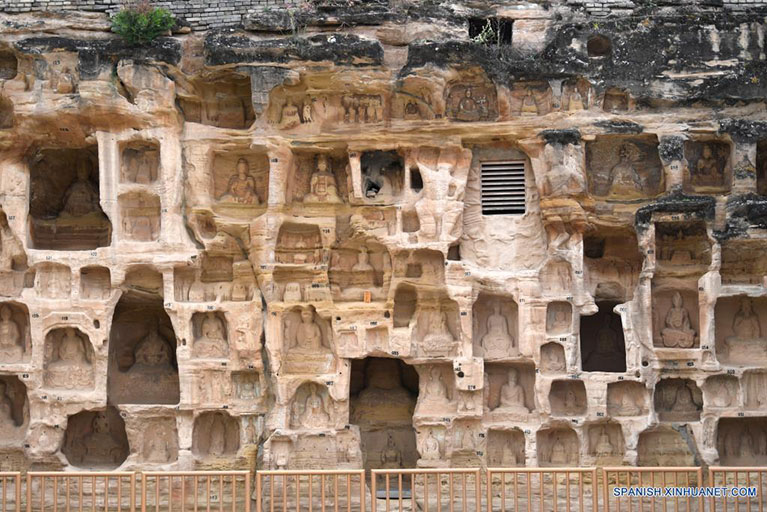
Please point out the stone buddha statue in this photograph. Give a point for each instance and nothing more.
(570, 404)
(430, 449)
(152, 369)
(363, 261)
(624, 179)
(746, 343)
(212, 341)
(314, 415)
(468, 108)
(289, 118)
(434, 390)
(575, 100)
(438, 337)
(497, 339)
(322, 186)
(81, 198)
(11, 343)
(383, 398)
(707, 169)
(71, 369)
(529, 107)
(628, 406)
(677, 331)
(558, 452)
(683, 402)
(308, 335)
(512, 397)
(100, 444)
(241, 187)
(604, 447)
(391, 458)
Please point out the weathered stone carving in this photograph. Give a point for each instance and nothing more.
(471, 101)
(96, 439)
(622, 168)
(678, 400)
(68, 359)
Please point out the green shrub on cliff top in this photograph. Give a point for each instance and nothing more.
(139, 23)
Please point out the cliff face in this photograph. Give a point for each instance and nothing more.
(368, 235)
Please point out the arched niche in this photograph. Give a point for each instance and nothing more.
(721, 392)
(559, 318)
(438, 329)
(96, 439)
(742, 441)
(505, 448)
(140, 162)
(222, 99)
(471, 98)
(307, 343)
(553, 358)
(311, 408)
(142, 367)
(616, 100)
(533, 98)
(159, 441)
(64, 204)
(405, 302)
(626, 399)
(606, 442)
(318, 179)
(240, 181)
(382, 176)
(359, 272)
(299, 244)
(211, 339)
(665, 447)
(603, 347)
(465, 443)
(52, 280)
(68, 360)
(140, 215)
(15, 338)
(568, 398)
(495, 326)
(14, 411)
(678, 400)
(577, 94)
(383, 394)
(740, 339)
(215, 434)
(557, 446)
(510, 390)
(95, 283)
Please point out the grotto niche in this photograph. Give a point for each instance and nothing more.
(64, 202)
(96, 439)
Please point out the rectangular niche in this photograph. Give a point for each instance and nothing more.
(603, 346)
(559, 318)
(682, 247)
(318, 178)
(568, 398)
(606, 443)
(626, 399)
(708, 166)
(743, 262)
(292, 285)
(15, 338)
(240, 181)
(505, 448)
(359, 272)
(95, 283)
(438, 328)
(68, 362)
(739, 324)
(223, 100)
(495, 325)
(612, 263)
(678, 400)
(664, 447)
(53, 281)
(64, 204)
(382, 176)
(761, 167)
(511, 390)
(299, 244)
(210, 335)
(141, 218)
(676, 315)
(624, 168)
(140, 162)
(558, 447)
(741, 441)
(14, 413)
(754, 383)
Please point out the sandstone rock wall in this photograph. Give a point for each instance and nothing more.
(385, 244)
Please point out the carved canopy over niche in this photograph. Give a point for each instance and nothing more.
(318, 178)
(222, 100)
(96, 439)
(64, 204)
(624, 168)
(240, 178)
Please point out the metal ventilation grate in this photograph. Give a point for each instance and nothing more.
(503, 187)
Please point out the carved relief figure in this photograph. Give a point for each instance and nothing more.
(558, 453)
(391, 458)
(67, 362)
(746, 343)
(81, 198)
(98, 444)
(624, 179)
(289, 118)
(434, 397)
(438, 336)
(242, 186)
(604, 447)
(8, 425)
(314, 414)
(512, 398)
(308, 336)
(677, 331)
(11, 342)
(211, 342)
(158, 445)
(471, 102)
(430, 447)
(674, 400)
(497, 339)
(707, 162)
(322, 186)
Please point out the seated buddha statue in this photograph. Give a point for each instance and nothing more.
(430, 447)
(7, 424)
(100, 445)
(322, 186)
(512, 398)
(314, 415)
(241, 187)
(438, 338)
(497, 339)
(71, 368)
(677, 331)
(212, 340)
(11, 343)
(81, 198)
(746, 342)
